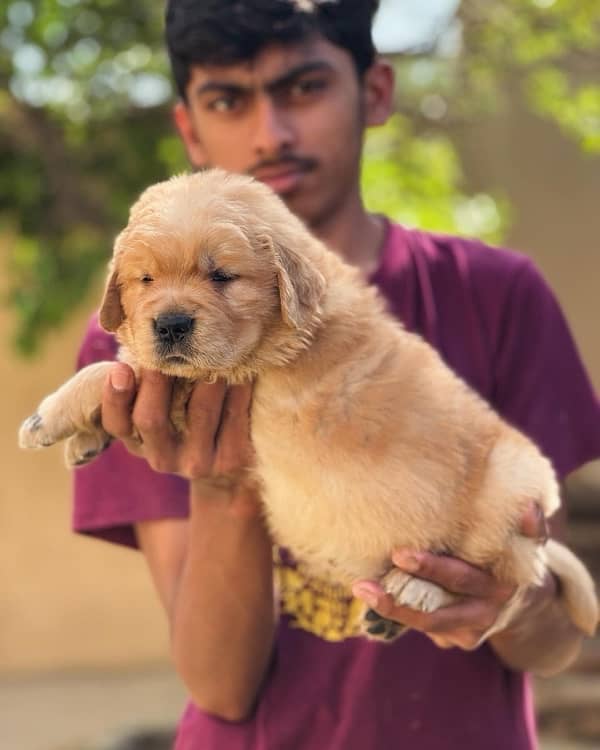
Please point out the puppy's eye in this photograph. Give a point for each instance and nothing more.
(219, 276)
(146, 279)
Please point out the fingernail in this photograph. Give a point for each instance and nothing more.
(120, 379)
(366, 594)
(410, 561)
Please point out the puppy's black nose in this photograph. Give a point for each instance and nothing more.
(173, 327)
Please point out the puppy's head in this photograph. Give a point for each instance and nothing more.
(212, 275)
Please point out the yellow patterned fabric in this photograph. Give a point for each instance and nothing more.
(320, 607)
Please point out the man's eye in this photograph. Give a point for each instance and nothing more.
(146, 278)
(308, 86)
(219, 276)
(223, 104)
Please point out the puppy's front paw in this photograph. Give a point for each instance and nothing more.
(73, 409)
(27, 437)
(83, 447)
(36, 432)
(416, 593)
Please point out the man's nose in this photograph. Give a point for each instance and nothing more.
(273, 128)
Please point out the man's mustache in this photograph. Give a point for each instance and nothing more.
(284, 163)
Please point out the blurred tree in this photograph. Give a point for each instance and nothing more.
(84, 126)
(546, 52)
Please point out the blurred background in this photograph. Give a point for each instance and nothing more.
(496, 135)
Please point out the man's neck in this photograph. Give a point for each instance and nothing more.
(356, 236)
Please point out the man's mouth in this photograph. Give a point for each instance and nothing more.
(283, 177)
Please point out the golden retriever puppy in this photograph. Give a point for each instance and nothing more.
(365, 440)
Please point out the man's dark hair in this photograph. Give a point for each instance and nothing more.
(225, 32)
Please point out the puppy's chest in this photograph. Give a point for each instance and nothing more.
(288, 452)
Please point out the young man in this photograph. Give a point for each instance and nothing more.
(283, 90)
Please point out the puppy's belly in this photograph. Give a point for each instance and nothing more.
(331, 521)
(342, 517)
(326, 553)
(342, 508)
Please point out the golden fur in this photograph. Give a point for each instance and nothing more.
(365, 440)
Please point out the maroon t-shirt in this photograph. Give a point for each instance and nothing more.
(498, 325)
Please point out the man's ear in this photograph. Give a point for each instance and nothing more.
(182, 117)
(301, 285)
(378, 92)
(111, 311)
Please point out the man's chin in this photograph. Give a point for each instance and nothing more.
(308, 206)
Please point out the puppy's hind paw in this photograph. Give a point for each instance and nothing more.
(83, 447)
(33, 433)
(416, 593)
(378, 628)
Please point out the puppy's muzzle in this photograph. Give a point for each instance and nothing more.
(173, 328)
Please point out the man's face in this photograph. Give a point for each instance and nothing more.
(293, 117)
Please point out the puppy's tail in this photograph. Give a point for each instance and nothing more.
(577, 589)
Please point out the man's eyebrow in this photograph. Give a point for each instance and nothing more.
(315, 66)
(229, 87)
(222, 87)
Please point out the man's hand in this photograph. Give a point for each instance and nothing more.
(215, 567)
(482, 597)
(215, 449)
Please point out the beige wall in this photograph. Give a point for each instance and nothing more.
(67, 601)
(554, 191)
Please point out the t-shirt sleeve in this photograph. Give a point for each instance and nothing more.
(117, 489)
(541, 385)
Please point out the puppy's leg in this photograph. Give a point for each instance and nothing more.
(83, 447)
(72, 410)
(407, 591)
(416, 593)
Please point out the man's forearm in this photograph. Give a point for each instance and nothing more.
(542, 639)
(222, 617)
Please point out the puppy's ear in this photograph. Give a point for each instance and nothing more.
(111, 311)
(301, 285)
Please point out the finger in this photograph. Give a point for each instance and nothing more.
(151, 418)
(468, 640)
(371, 593)
(473, 617)
(233, 440)
(117, 400)
(203, 417)
(533, 523)
(134, 446)
(470, 614)
(465, 639)
(452, 574)
(440, 641)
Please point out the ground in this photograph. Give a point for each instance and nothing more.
(137, 710)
